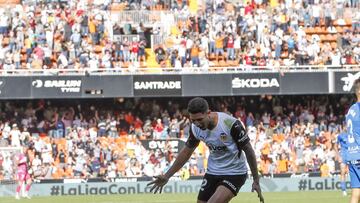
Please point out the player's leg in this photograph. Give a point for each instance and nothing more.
(208, 187)
(27, 187)
(228, 188)
(355, 195)
(343, 171)
(354, 173)
(18, 188)
(221, 195)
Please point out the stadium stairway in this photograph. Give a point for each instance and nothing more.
(150, 61)
(193, 6)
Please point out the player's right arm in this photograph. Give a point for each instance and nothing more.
(181, 159)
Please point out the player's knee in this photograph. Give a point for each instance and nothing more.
(356, 193)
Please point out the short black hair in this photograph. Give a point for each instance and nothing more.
(198, 105)
(356, 86)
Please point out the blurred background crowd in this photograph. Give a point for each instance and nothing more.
(103, 138)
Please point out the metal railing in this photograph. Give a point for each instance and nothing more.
(157, 39)
(186, 70)
(146, 17)
(129, 38)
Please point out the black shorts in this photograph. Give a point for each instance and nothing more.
(211, 182)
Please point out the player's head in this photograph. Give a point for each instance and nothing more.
(356, 87)
(198, 109)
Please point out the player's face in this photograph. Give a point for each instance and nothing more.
(201, 120)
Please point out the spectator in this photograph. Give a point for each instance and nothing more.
(160, 56)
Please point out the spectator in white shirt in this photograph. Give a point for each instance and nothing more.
(15, 136)
(63, 61)
(93, 62)
(336, 58)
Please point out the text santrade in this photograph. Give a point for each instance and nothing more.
(157, 85)
(254, 83)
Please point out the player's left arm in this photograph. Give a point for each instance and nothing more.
(242, 141)
(251, 159)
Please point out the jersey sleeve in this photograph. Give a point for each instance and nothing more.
(192, 142)
(239, 135)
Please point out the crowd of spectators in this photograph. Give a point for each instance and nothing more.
(103, 139)
(81, 33)
(269, 33)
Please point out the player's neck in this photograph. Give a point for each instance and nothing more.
(213, 120)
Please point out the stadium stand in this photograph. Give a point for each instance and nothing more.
(102, 139)
(180, 34)
(107, 34)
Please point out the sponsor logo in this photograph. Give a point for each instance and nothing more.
(223, 137)
(353, 149)
(88, 189)
(164, 145)
(355, 162)
(214, 148)
(243, 137)
(349, 81)
(302, 175)
(230, 184)
(255, 83)
(325, 184)
(64, 85)
(157, 85)
(37, 83)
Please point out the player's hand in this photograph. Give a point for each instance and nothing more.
(256, 187)
(158, 183)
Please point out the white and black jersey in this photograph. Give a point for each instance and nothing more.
(225, 142)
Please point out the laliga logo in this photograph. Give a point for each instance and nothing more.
(349, 81)
(37, 83)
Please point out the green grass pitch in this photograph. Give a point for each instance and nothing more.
(271, 197)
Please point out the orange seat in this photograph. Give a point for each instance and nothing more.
(309, 30)
(98, 49)
(317, 30)
(348, 21)
(339, 29)
(323, 38)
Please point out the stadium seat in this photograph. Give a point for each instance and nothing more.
(309, 30)
(348, 22)
(318, 30)
(339, 29)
